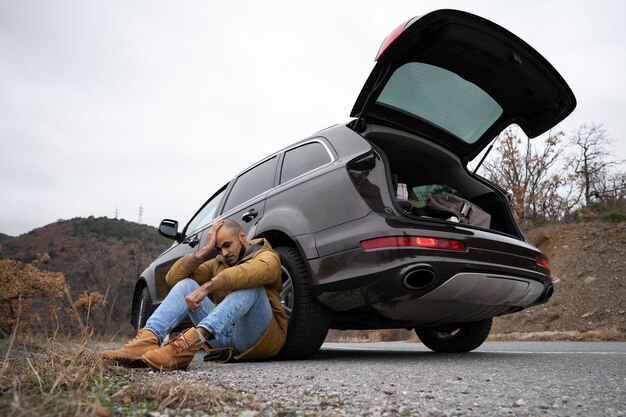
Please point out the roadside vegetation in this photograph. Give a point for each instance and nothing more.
(48, 372)
(94, 262)
(558, 178)
(65, 377)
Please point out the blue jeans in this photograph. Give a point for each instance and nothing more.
(237, 322)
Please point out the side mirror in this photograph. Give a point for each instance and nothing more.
(169, 229)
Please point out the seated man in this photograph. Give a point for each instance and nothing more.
(247, 316)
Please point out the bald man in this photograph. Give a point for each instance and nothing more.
(244, 320)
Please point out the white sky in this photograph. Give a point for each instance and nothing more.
(117, 104)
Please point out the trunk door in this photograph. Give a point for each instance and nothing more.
(459, 80)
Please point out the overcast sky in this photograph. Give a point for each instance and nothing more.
(109, 105)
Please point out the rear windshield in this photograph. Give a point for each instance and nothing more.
(440, 98)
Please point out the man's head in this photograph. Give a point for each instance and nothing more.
(231, 242)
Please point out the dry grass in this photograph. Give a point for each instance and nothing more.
(365, 336)
(51, 377)
(599, 335)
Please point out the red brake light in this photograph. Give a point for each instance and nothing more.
(541, 261)
(412, 241)
(390, 38)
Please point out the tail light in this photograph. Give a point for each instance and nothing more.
(390, 38)
(394, 35)
(541, 261)
(413, 242)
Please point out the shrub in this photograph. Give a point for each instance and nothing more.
(614, 216)
(21, 284)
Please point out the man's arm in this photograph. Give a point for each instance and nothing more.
(263, 269)
(193, 265)
(217, 283)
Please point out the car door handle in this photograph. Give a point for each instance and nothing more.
(192, 241)
(248, 216)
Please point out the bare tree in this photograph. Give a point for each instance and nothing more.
(592, 165)
(531, 169)
(610, 191)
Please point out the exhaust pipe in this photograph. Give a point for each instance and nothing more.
(418, 279)
(548, 294)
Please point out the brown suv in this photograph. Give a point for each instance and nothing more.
(378, 222)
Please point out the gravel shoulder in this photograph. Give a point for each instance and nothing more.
(386, 379)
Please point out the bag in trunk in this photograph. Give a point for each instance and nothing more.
(448, 205)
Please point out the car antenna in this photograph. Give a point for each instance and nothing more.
(485, 155)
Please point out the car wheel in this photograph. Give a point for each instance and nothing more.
(308, 318)
(144, 309)
(461, 337)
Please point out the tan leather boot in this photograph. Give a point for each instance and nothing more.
(130, 355)
(177, 354)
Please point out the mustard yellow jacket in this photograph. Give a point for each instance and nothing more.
(259, 268)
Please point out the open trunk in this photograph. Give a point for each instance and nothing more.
(428, 169)
(459, 80)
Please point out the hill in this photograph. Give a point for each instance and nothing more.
(588, 264)
(4, 237)
(95, 254)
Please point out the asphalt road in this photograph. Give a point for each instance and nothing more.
(397, 378)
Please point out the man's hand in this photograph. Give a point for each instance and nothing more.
(194, 298)
(211, 240)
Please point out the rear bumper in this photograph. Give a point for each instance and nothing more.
(466, 297)
(488, 289)
(495, 273)
(460, 289)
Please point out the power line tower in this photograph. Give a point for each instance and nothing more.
(140, 218)
(116, 213)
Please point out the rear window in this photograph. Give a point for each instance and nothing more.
(441, 98)
(303, 159)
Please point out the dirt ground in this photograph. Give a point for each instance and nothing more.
(588, 264)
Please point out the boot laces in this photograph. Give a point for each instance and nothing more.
(181, 343)
(137, 335)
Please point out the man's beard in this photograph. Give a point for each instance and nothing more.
(242, 250)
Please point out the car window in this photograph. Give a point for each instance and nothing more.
(303, 159)
(206, 213)
(252, 183)
(441, 98)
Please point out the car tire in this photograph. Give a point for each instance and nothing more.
(309, 320)
(462, 337)
(144, 308)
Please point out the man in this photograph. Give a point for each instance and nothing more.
(246, 317)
